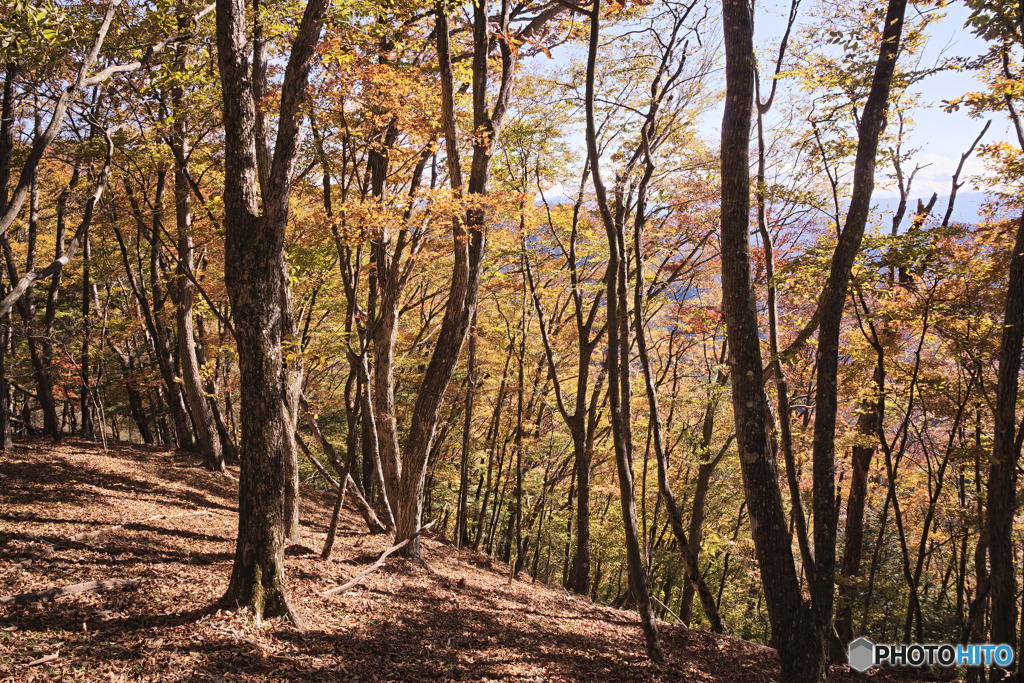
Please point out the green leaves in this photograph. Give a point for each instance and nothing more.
(29, 30)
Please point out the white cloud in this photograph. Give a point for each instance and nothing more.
(935, 174)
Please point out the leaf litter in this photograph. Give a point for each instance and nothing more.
(459, 619)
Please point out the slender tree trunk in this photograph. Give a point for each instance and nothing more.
(831, 306)
(693, 572)
(161, 335)
(44, 383)
(6, 147)
(5, 400)
(491, 453)
(87, 423)
(202, 420)
(519, 424)
(174, 403)
(618, 357)
(868, 423)
(794, 633)
(462, 514)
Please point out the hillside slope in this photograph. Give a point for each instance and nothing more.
(462, 619)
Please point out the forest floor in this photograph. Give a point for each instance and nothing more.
(460, 619)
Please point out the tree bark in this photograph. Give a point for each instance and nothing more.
(255, 278)
(1002, 478)
(794, 633)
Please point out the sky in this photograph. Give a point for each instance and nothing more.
(938, 137)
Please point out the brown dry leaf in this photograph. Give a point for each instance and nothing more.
(459, 620)
(45, 658)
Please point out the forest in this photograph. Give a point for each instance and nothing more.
(616, 305)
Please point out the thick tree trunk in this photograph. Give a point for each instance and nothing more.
(256, 279)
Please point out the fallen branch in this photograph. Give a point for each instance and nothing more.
(379, 563)
(90, 535)
(63, 591)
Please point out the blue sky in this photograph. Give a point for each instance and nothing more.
(939, 137)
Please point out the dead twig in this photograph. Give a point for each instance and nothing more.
(379, 563)
(667, 609)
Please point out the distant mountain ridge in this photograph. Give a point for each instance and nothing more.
(966, 209)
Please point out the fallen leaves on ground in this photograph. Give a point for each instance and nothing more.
(462, 618)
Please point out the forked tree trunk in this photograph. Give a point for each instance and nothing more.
(256, 277)
(405, 466)
(618, 357)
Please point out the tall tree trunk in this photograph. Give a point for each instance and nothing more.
(1002, 478)
(794, 633)
(462, 513)
(256, 278)
(162, 335)
(519, 418)
(868, 423)
(405, 467)
(5, 402)
(87, 424)
(6, 147)
(44, 381)
(831, 306)
(198, 406)
(618, 357)
(693, 573)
